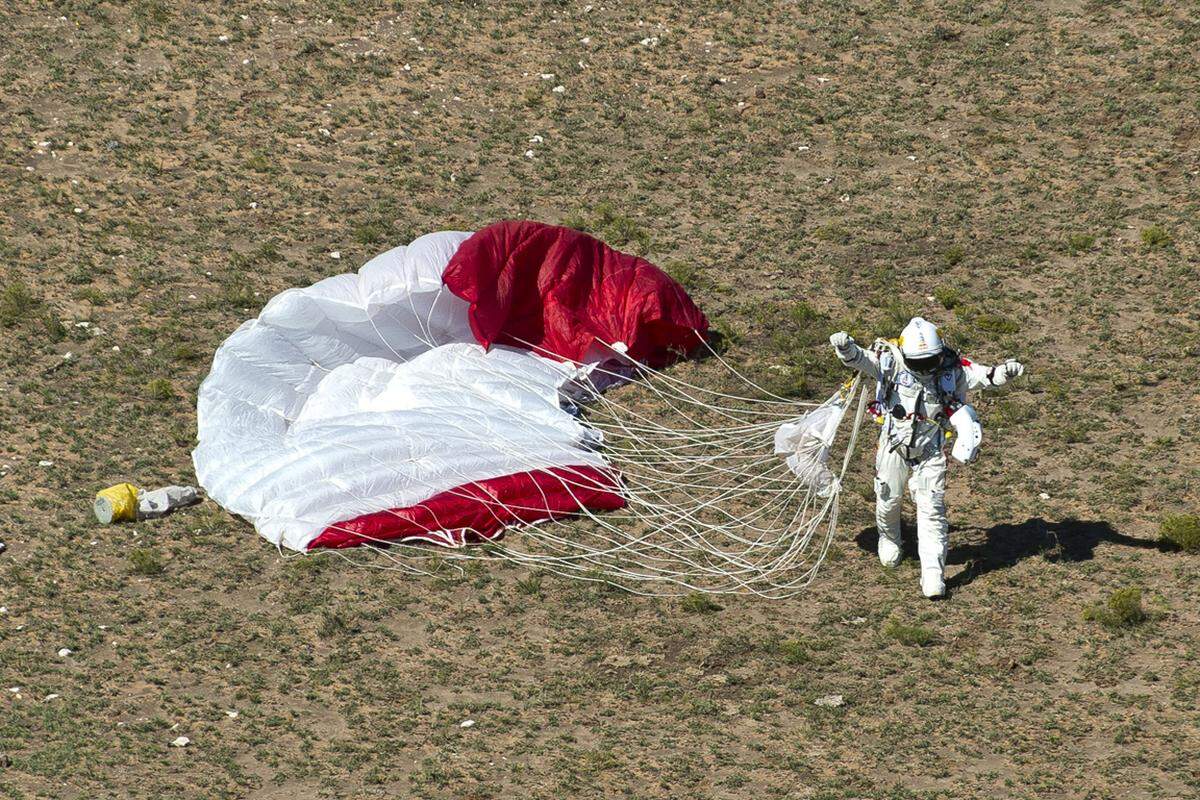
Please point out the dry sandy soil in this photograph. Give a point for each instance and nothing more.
(1024, 172)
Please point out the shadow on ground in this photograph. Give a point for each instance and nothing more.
(1006, 545)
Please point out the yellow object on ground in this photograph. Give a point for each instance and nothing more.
(116, 503)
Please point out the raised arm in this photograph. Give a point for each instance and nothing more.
(981, 376)
(854, 356)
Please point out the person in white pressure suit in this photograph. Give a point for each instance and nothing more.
(921, 403)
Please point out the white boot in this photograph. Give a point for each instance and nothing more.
(932, 584)
(889, 551)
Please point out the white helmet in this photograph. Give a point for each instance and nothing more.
(921, 345)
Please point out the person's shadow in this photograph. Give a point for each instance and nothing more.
(1006, 545)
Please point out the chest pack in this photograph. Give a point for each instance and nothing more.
(914, 409)
(902, 394)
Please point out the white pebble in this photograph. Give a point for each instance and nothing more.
(45, 463)
(64, 652)
(466, 723)
(559, 89)
(336, 254)
(830, 701)
(181, 741)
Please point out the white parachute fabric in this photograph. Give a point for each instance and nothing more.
(337, 401)
(378, 434)
(808, 442)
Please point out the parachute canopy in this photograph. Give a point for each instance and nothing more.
(423, 397)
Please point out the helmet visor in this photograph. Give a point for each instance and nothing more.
(923, 364)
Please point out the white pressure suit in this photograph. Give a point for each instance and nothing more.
(919, 385)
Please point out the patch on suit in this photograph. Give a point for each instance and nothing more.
(905, 379)
(882, 491)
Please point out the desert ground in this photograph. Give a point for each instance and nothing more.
(1025, 173)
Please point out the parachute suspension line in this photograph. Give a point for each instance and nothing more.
(679, 556)
(710, 508)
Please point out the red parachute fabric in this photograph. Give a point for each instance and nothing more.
(556, 291)
(480, 511)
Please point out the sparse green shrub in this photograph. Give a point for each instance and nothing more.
(1155, 237)
(304, 568)
(150, 12)
(530, 585)
(895, 315)
(788, 383)
(1075, 432)
(144, 561)
(912, 635)
(235, 294)
(613, 227)
(55, 330)
(160, 389)
(685, 272)
(535, 97)
(795, 652)
(698, 603)
(371, 233)
(994, 323)
(954, 255)
(941, 33)
(1181, 530)
(185, 352)
(723, 336)
(948, 296)
(1080, 242)
(335, 623)
(16, 301)
(832, 233)
(1123, 609)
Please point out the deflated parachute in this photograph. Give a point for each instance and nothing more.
(455, 387)
(420, 398)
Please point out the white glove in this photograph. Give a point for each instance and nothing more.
(1002, 373)
(842, 343)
